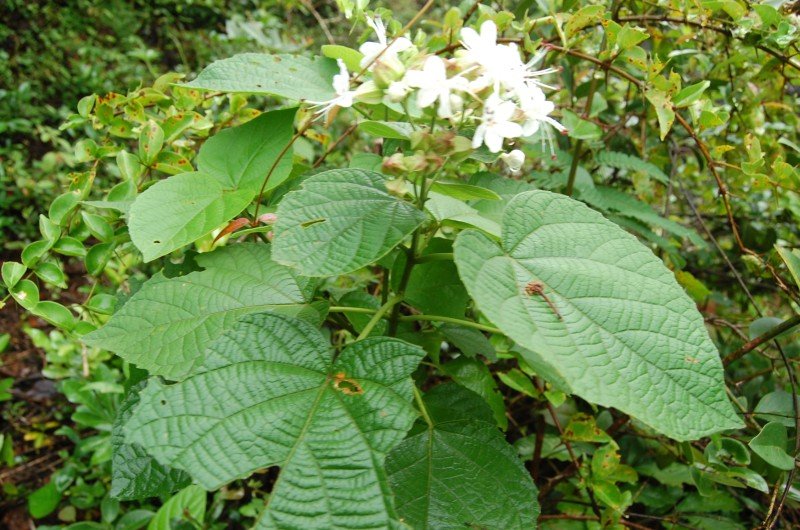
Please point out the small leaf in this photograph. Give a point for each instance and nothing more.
(189, 504)
(12, 273)
(615, 325)
(340, 221)
(690, 94)
(666, 116)
(55, 313)
(397, 130)
(275, 396)
(289, 76)
(770, 444)
(61, 206)
(25, 293)
(585, 16)
(44, 501)
(579, 128)
(474, 375)
(151, 140)
(792, 260)
(51, 273)
(464, 192)
(352, 58)
(458, 471)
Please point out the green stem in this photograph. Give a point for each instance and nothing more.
(421, 404)
(437, 256)
(450, 320)
(346, 309)
(391, 303)
(418, 318)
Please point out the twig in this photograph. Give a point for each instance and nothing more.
(761, 339)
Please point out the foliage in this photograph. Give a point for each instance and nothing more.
(379, 273)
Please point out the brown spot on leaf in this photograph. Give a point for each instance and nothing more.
(348, 387)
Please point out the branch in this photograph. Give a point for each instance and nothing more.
(761, 339)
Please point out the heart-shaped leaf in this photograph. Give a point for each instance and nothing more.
(165, 326)
(339, 221)
(458, 471)
(596, 309)
(271, 393)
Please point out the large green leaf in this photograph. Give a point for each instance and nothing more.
(271, 393)
(167, 324)
(241, 157)
(134, 473)
(458, 471)
(289, 76)
(339, 221)
(611, 321)
(181, 209)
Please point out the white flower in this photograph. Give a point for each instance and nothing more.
(434, 85)
(513, 160)
(496, 124)
(536, 110)
(341, 86)
(398, 90)
(500, 64)
(372, 50)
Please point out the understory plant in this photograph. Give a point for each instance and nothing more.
(324, 264)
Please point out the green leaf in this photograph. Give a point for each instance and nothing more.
(434, 286)
(165, 326)
(25, 293)
(666, 116)
(776, 406)
(151, 140)
(181, 209)
(55, 313)
(579, 128)
(630, 36)
(12, 273)
(770, 444)
(469, 341)
(458, 471)
(340, 221)
(612, 321)
(44, 500)
(454, 212)
(474, 375)
(241, 157)
(189, 504)
(275, 396)
(52, 274)
(631, 163)
(792, 260)
(690, 94)
(61, 206)
(352, 58)
(585, 16)
(464, 192)
(134, 473)
(289, 76)
(397, 130)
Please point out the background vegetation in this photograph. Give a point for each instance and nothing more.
(683, 130)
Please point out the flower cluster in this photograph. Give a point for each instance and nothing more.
(485, 85)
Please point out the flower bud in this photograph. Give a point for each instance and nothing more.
(369, 93)
(513, 160)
